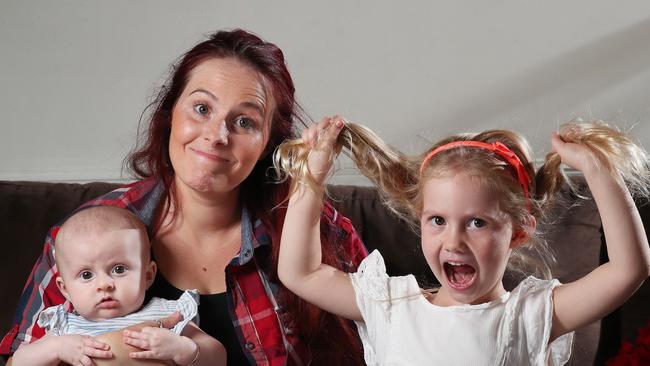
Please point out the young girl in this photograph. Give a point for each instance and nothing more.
(104, 263)
(478, 199)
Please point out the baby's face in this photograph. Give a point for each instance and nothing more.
(104, 275)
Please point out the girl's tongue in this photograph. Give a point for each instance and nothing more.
(460, 276)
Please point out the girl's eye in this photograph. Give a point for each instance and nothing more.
(477, 223)
(437, 221)
(245, 123)
(86, 275)
(119, 269)
(201, 109)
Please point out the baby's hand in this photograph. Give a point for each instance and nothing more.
(321, 138)
(161, 344)
(78, 349)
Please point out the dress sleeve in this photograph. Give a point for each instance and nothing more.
(188, 306)
(536, 297)
(40, 292)
(53, 319)
(372, 294)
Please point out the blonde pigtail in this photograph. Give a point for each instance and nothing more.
(394, 174)
(615, 150)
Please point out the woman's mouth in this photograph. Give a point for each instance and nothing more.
(211, 156)
(460, 276)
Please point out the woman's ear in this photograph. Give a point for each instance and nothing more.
(150, 275)
(522, 235)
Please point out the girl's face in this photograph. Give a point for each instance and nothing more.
(466, 239)
(220, 126)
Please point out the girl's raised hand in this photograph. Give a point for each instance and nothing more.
(575, 155)
(321, 138)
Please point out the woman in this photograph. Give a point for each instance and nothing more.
(211, 209)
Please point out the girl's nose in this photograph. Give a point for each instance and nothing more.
(454, 241)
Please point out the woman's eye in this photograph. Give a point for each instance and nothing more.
(437, 220)
(201, 109)
(119, 269)
(86, 275)
(477, 223)
(245, 123)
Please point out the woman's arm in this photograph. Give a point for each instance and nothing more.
(592, 297)
(52, 350)
(300, 266)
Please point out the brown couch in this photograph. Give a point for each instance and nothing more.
(28, 209)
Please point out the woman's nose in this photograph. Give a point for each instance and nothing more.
(217, 133)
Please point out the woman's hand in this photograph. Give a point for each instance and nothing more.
(161, 344)
(156, 341)
(75, 350)
(321, 138)
(79, 349)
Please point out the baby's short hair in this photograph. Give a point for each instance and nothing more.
(97, 220)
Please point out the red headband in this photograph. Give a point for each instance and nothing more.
(497, 148)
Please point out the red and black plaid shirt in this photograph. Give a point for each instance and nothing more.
(261, 323)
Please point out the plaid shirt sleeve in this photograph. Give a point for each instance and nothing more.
(39, 293)
(346, 236)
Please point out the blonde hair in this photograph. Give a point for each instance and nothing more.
(398, 179)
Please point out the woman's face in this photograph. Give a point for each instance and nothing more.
(220, 125)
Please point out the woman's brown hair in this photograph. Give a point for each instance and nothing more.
(338, 344)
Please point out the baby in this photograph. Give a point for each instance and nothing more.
(103, 257)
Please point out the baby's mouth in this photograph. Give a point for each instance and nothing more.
(460, 276)
(107, 303)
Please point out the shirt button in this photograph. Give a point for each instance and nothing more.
(250, 346)
(247, 253)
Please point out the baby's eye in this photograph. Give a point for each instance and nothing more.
(201, 109)
(437, 220)
(477, 223)
(86, 275)
(119, 269)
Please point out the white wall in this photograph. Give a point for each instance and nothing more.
(75, 75)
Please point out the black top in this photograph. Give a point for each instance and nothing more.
(214, 318)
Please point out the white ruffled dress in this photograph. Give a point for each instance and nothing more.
(401, 327)
(57, 321)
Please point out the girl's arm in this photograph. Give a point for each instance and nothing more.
(300, 266)
(52, 350)
(592, 297)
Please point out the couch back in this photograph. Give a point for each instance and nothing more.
(28, 209)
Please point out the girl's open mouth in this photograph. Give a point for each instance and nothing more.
(460, 276)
